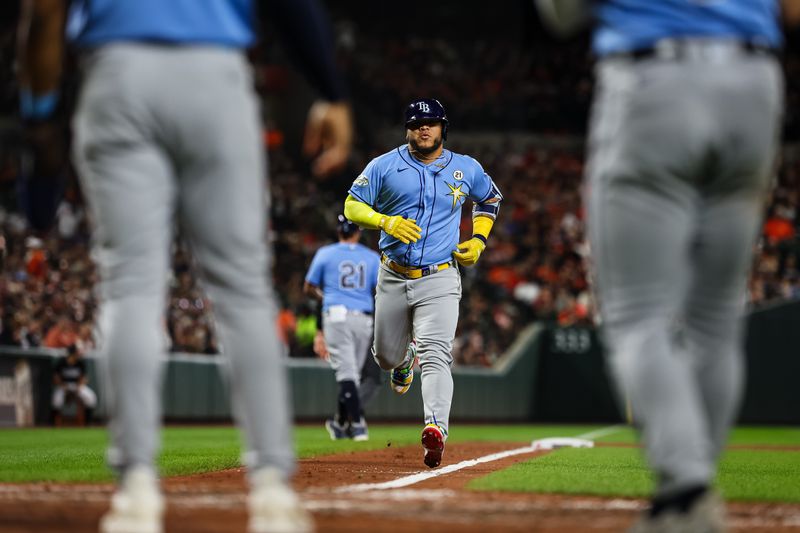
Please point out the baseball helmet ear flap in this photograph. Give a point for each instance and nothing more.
(427, 109)
(345, 226)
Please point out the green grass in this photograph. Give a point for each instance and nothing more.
(752, 475)
(77, 455)
(599, 471)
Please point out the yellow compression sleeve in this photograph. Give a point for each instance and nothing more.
(482, 226)
(362, 214)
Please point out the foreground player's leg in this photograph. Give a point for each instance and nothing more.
(130, 189)
(435, 301)
(402, 376)
(223, 211)
(392, 329)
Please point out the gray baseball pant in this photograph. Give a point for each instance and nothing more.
(348, 343)
(427, 309)
(165, 133)
(681, 155)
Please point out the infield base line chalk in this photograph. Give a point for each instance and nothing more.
(423, 476)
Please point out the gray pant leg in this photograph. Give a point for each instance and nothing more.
(714, 334)
(671, 205)
(363, 326)
(372, 379)
(392, 319)
(347, 343)
(129, 185)
(223, 212)
(640, 260)
(435, 303)
(727, 228)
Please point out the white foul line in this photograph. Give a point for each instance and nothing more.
(423, 476)
(602, 432)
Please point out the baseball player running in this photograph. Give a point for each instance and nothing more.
(167, 127)
(414, 195)
(684, 133)
(343, 276)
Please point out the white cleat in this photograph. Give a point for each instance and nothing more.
(274, 507)
(137, 506)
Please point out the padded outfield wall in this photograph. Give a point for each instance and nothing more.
(549, 374)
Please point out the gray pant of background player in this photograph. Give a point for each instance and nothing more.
(348, 343)
(681, 155)
(166, 133)
(426, 308)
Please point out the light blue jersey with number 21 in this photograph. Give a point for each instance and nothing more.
(347, 274)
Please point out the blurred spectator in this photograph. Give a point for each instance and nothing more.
(62, 334)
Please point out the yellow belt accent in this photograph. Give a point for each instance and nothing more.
(414, 273)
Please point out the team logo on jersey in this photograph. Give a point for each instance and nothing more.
(458, 175)
(459, 196)
(361, 181)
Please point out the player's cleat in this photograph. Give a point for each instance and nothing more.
(336, 430)
(402, 376)
(707, 515)
(433, 438)
(358, 430)
(274, 507)
(137, 506)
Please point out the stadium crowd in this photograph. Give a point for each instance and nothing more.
(534, 269)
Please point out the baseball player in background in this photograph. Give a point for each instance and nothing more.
(683, 139)
(414, 195)
(167, 127)
(343, 276)
(70, 377)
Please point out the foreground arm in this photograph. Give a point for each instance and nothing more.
(306, 29)
(791, 12)
(40, 53)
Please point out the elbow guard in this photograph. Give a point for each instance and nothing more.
(490, 207)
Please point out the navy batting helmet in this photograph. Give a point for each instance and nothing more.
(427, 109)
(345, 227)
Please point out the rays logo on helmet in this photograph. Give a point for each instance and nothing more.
(361, 181)
(424, 107)
(458, 175)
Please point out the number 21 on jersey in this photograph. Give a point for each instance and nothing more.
(352, 275)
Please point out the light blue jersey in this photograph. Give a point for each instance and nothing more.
(627, 25)
(347, 274)
(396, 183)
(226, 23)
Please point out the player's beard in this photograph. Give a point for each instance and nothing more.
(415, 147)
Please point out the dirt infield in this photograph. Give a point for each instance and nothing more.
(214, 503)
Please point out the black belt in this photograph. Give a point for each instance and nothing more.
(681, 49)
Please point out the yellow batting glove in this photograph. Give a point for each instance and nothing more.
(469, 251)
(403, 229)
